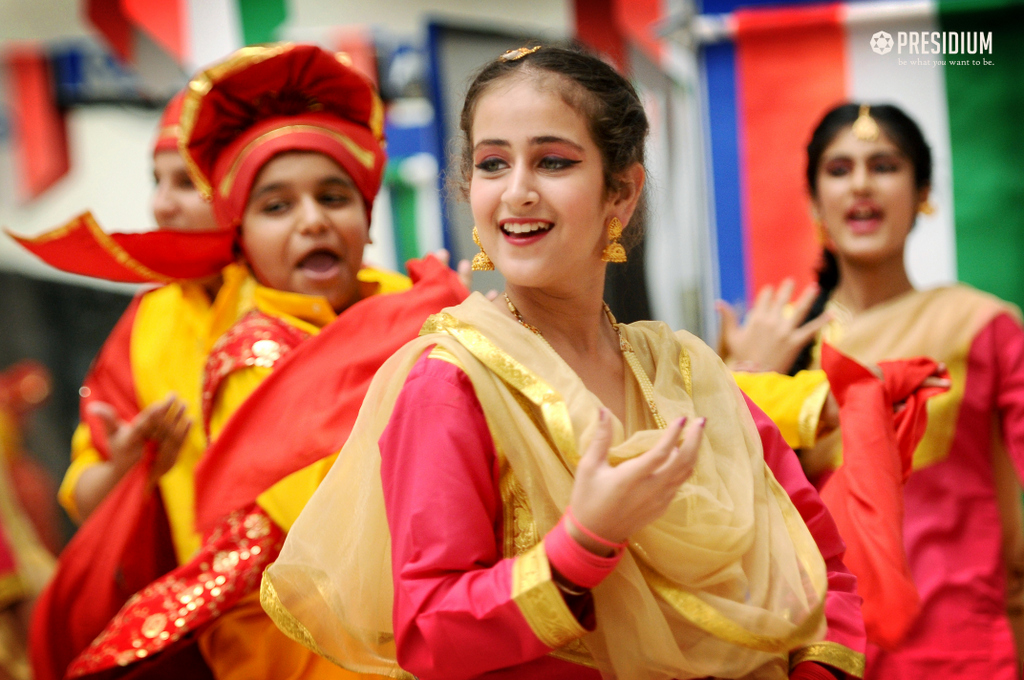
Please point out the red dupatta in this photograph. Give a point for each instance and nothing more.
(865, 495)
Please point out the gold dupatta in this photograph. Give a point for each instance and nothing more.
(727, 583)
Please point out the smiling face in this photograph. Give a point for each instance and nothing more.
(537, 187)
(305, 228)
(177, 204)
(866, 198)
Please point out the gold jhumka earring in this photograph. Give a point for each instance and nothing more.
(865, 128)
(614, 252)
(926, 208)
(481, 263)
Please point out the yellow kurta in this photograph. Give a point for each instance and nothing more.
(174, 328)
(793, 403)
(244, 643)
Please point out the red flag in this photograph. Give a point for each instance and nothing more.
(165, 21)
(596, 27)
(775, 119)
(107, 17)
(40, 133)
(608, 25)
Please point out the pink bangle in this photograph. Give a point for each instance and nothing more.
(574, 562)
(591, 535)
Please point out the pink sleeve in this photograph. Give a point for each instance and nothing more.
(454, 615)
(842, 604)
(1003, 339)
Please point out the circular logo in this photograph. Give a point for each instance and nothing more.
(881, 43)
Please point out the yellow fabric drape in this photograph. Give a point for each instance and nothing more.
(793, 403)
(725, 584)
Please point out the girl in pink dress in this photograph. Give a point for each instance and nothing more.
(535, 491)
(869, 175)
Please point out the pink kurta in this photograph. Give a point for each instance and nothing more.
(454, 616)
(952, 528)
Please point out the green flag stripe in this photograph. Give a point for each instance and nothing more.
(986, 110)
(261, 19)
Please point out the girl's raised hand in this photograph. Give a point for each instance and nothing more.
(615, 502)
(772, 336)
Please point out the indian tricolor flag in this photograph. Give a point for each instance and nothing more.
(956, 67)
(194, 32)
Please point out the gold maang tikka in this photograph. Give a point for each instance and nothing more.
(481, 263)
(614, 252)
(865, 127)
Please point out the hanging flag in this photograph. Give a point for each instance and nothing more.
(114, 26)
(195, 33)
(40, 132)
(953, 66)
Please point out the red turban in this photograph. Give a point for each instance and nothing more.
(266, 100)
(169, 131)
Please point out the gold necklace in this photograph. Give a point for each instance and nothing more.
(627, 352)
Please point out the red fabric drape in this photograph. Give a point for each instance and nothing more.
(865, 495)
(82, 247)
(308, 405)
(124, 544)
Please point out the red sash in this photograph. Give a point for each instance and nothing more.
(865, 495)
(124, 544)
(308, 405)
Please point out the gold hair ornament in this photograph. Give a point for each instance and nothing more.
(518, 53)
(481, 263)
(865, 128)
(614, 252)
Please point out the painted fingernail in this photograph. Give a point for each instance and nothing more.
(703, 422)
(682, 421)
(601, 415)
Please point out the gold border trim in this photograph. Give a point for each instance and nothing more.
(293, 628)
(540, 602)
(687, 371)
(833, 654)
(552, 406)
(102, 238)
(704, 616)
(575, 652)
(200, 86)
(12, 589)
(169, 132)
(365, 157)
(810, 414)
